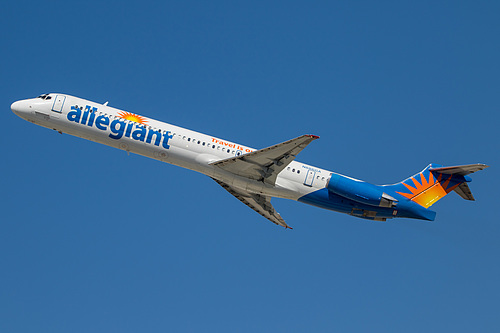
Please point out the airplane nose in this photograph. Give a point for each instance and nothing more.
(15, 107)
(20, 107)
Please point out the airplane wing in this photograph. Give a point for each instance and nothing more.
(261, 204)
(265, 164)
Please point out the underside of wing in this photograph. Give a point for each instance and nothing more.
(265, 164)
(259, 203)
(463, 190)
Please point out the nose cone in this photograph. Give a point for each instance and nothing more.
(21, 107)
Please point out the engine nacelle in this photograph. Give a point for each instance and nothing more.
(360, 191)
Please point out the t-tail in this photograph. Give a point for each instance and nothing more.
(429, 186)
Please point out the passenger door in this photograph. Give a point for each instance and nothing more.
(58, 106)
(309, 178)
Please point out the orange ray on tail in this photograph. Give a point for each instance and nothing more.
(429, 191)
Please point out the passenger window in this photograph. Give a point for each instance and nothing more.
(189, 139)
(298, 171)
(203, 144)
(293, 170)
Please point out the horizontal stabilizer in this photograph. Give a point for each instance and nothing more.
(463, 190)
(460, 170)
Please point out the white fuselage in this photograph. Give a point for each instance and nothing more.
(162, 141)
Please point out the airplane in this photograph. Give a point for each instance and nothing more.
(252, 176)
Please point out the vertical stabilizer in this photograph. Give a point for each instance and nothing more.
(435, 182)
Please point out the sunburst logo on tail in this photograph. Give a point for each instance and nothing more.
(428, 191)
(132, 117)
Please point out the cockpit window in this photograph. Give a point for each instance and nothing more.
(44, 96)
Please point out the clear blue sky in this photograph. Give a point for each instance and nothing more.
(93, 240)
